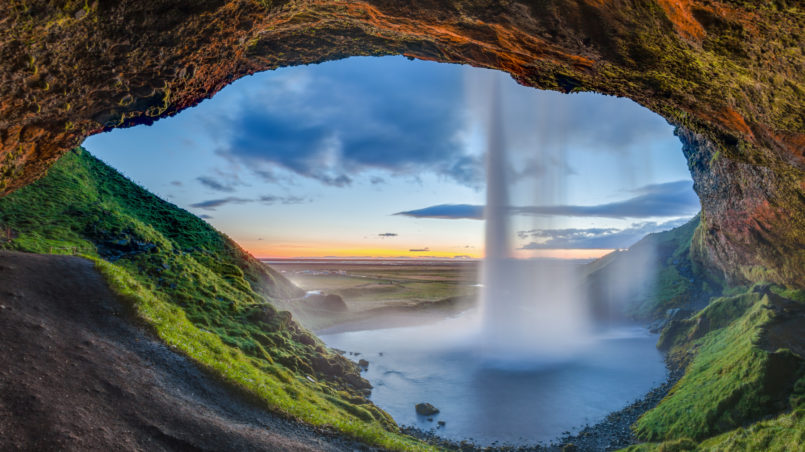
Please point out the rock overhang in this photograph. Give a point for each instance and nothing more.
(729, 74)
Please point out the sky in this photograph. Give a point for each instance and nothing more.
(384, 157)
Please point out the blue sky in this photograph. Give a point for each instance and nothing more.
(385, 157)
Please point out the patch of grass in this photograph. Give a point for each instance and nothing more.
(719, 313)
(732, 380)
(197, 290)
(784, 433)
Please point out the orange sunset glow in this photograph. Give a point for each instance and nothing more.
(292, 250)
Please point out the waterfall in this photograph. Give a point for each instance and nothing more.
(531, 310)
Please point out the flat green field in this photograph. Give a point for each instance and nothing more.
(378, 288)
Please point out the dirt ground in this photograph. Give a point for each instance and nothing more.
(75, 374)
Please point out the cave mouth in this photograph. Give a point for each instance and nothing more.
(290, 159)
(727, 75)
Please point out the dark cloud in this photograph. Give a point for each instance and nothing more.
(672, 199)
(336, 125)
(347, 117)
(447, 211)
(658, 200)
(215, 184)
(593, 238)
(205, 216)
(387, 234)
(176, 183)
(377, 180)
(419, 250)
(212, 204)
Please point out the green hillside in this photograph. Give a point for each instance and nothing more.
(744, 382)
(197, 290)
(742, 348)
(656, 274)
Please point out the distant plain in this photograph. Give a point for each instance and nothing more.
(380, 292)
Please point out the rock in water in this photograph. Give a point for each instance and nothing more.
(426, 409)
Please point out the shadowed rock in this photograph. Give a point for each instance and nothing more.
(426, 409)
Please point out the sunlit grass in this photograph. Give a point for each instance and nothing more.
(279, 389)
(731, 380)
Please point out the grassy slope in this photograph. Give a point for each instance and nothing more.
(735, 376)
(197, 290)
(677, 282)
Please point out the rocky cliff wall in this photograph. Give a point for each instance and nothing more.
(730, 74)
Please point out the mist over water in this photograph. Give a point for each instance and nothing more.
(540, 355)
(532, 312)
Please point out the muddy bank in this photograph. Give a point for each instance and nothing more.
(75, 374)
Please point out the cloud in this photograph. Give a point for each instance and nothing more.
(214, 184)
(599, 123)
(657, 200)
(176, 183)
(272, 199)
(336, 125)
(593, 238)
(387, 234)
(387, 114)
(447, 211)
(419, 250)
(205, 216)
(672, 199)
(213, 204)
(565, 233)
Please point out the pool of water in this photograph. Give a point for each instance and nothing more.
(490, 401)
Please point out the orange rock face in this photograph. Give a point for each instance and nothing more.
(730, 74)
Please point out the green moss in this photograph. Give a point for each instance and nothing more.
(784, 433)
(731, 380)
(197, 290)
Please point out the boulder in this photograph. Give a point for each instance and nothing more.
(426, 409)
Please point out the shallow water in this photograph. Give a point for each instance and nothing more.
(505, 401)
